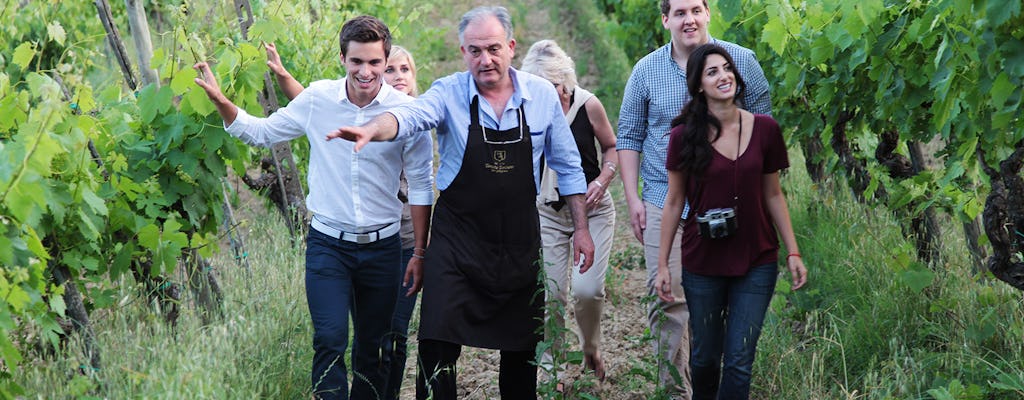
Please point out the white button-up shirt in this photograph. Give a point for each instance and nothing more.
(352, 192)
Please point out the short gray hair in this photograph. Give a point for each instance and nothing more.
(546, 60)
(498, 12)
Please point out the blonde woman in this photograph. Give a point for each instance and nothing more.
(400, 73)
(589, 123)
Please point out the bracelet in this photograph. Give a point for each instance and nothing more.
(598, 183)
(418, 256)
(797, 255)
(610, 165)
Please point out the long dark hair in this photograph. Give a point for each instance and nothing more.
(695, 154)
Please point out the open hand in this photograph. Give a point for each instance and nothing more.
(359, 134)
(274, 60)
(207, 81)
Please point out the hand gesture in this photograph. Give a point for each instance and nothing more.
(359, 134)
(207, 81)
(274, 60)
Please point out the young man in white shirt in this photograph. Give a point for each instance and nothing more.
(353, 251)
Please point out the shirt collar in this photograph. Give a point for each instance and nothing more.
(382, 94)
(520, 91)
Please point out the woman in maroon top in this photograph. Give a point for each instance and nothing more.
(723, 164)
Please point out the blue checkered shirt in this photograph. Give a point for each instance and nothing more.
(655, 94)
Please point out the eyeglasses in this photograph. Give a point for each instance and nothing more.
(519, 113)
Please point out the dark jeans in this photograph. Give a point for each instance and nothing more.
(517, 374)
(726, 314)
(396, 343)
(344, 277)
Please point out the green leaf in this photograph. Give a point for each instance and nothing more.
(6, 251)
(196, 100)
(999, 12)
(11, 356)
(917, 278)
(95, 202)
(775, 34)
(268, 30)
(1001, 90)
(729, 10)
(171, 133)
(184, 79)
(23, 54)
(153, 100)
(17, 298)
(56, 32)
(149, 237)
(57, 302)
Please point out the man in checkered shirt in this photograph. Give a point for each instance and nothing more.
(655, 93)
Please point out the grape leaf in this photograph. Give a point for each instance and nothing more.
(23, 54)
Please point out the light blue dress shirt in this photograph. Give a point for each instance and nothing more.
(446, 107)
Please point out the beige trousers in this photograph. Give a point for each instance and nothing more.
(556, 230)
(669, 321)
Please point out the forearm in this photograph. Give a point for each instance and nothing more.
(227, 110)
(609, 166)
(578, 209)
(629, 170)
(779, 211)
(288, 84)
(383, 127)
(420, 227)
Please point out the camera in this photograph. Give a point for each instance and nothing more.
(717, 223)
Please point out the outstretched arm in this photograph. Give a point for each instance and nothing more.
(288, 84)
(381, 128)
(227, 110)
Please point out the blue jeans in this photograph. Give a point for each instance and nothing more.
(344, 277)
(396, 342)
(726, 314)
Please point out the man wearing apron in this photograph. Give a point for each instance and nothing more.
(481, 284)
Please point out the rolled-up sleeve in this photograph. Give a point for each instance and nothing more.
(563, 156)
(418, 157)
(758, 98)
(424, 113)
(633, 114)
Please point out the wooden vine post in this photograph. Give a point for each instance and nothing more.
(288, 194)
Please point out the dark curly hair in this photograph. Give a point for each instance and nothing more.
(695, 154)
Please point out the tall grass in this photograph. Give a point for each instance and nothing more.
(875, 324)
(260, 349)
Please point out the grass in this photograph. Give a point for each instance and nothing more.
(260, 349)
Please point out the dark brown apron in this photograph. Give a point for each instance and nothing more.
(480, 284)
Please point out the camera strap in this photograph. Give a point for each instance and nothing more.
(736, 164)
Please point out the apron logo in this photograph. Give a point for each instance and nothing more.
(499, 166)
